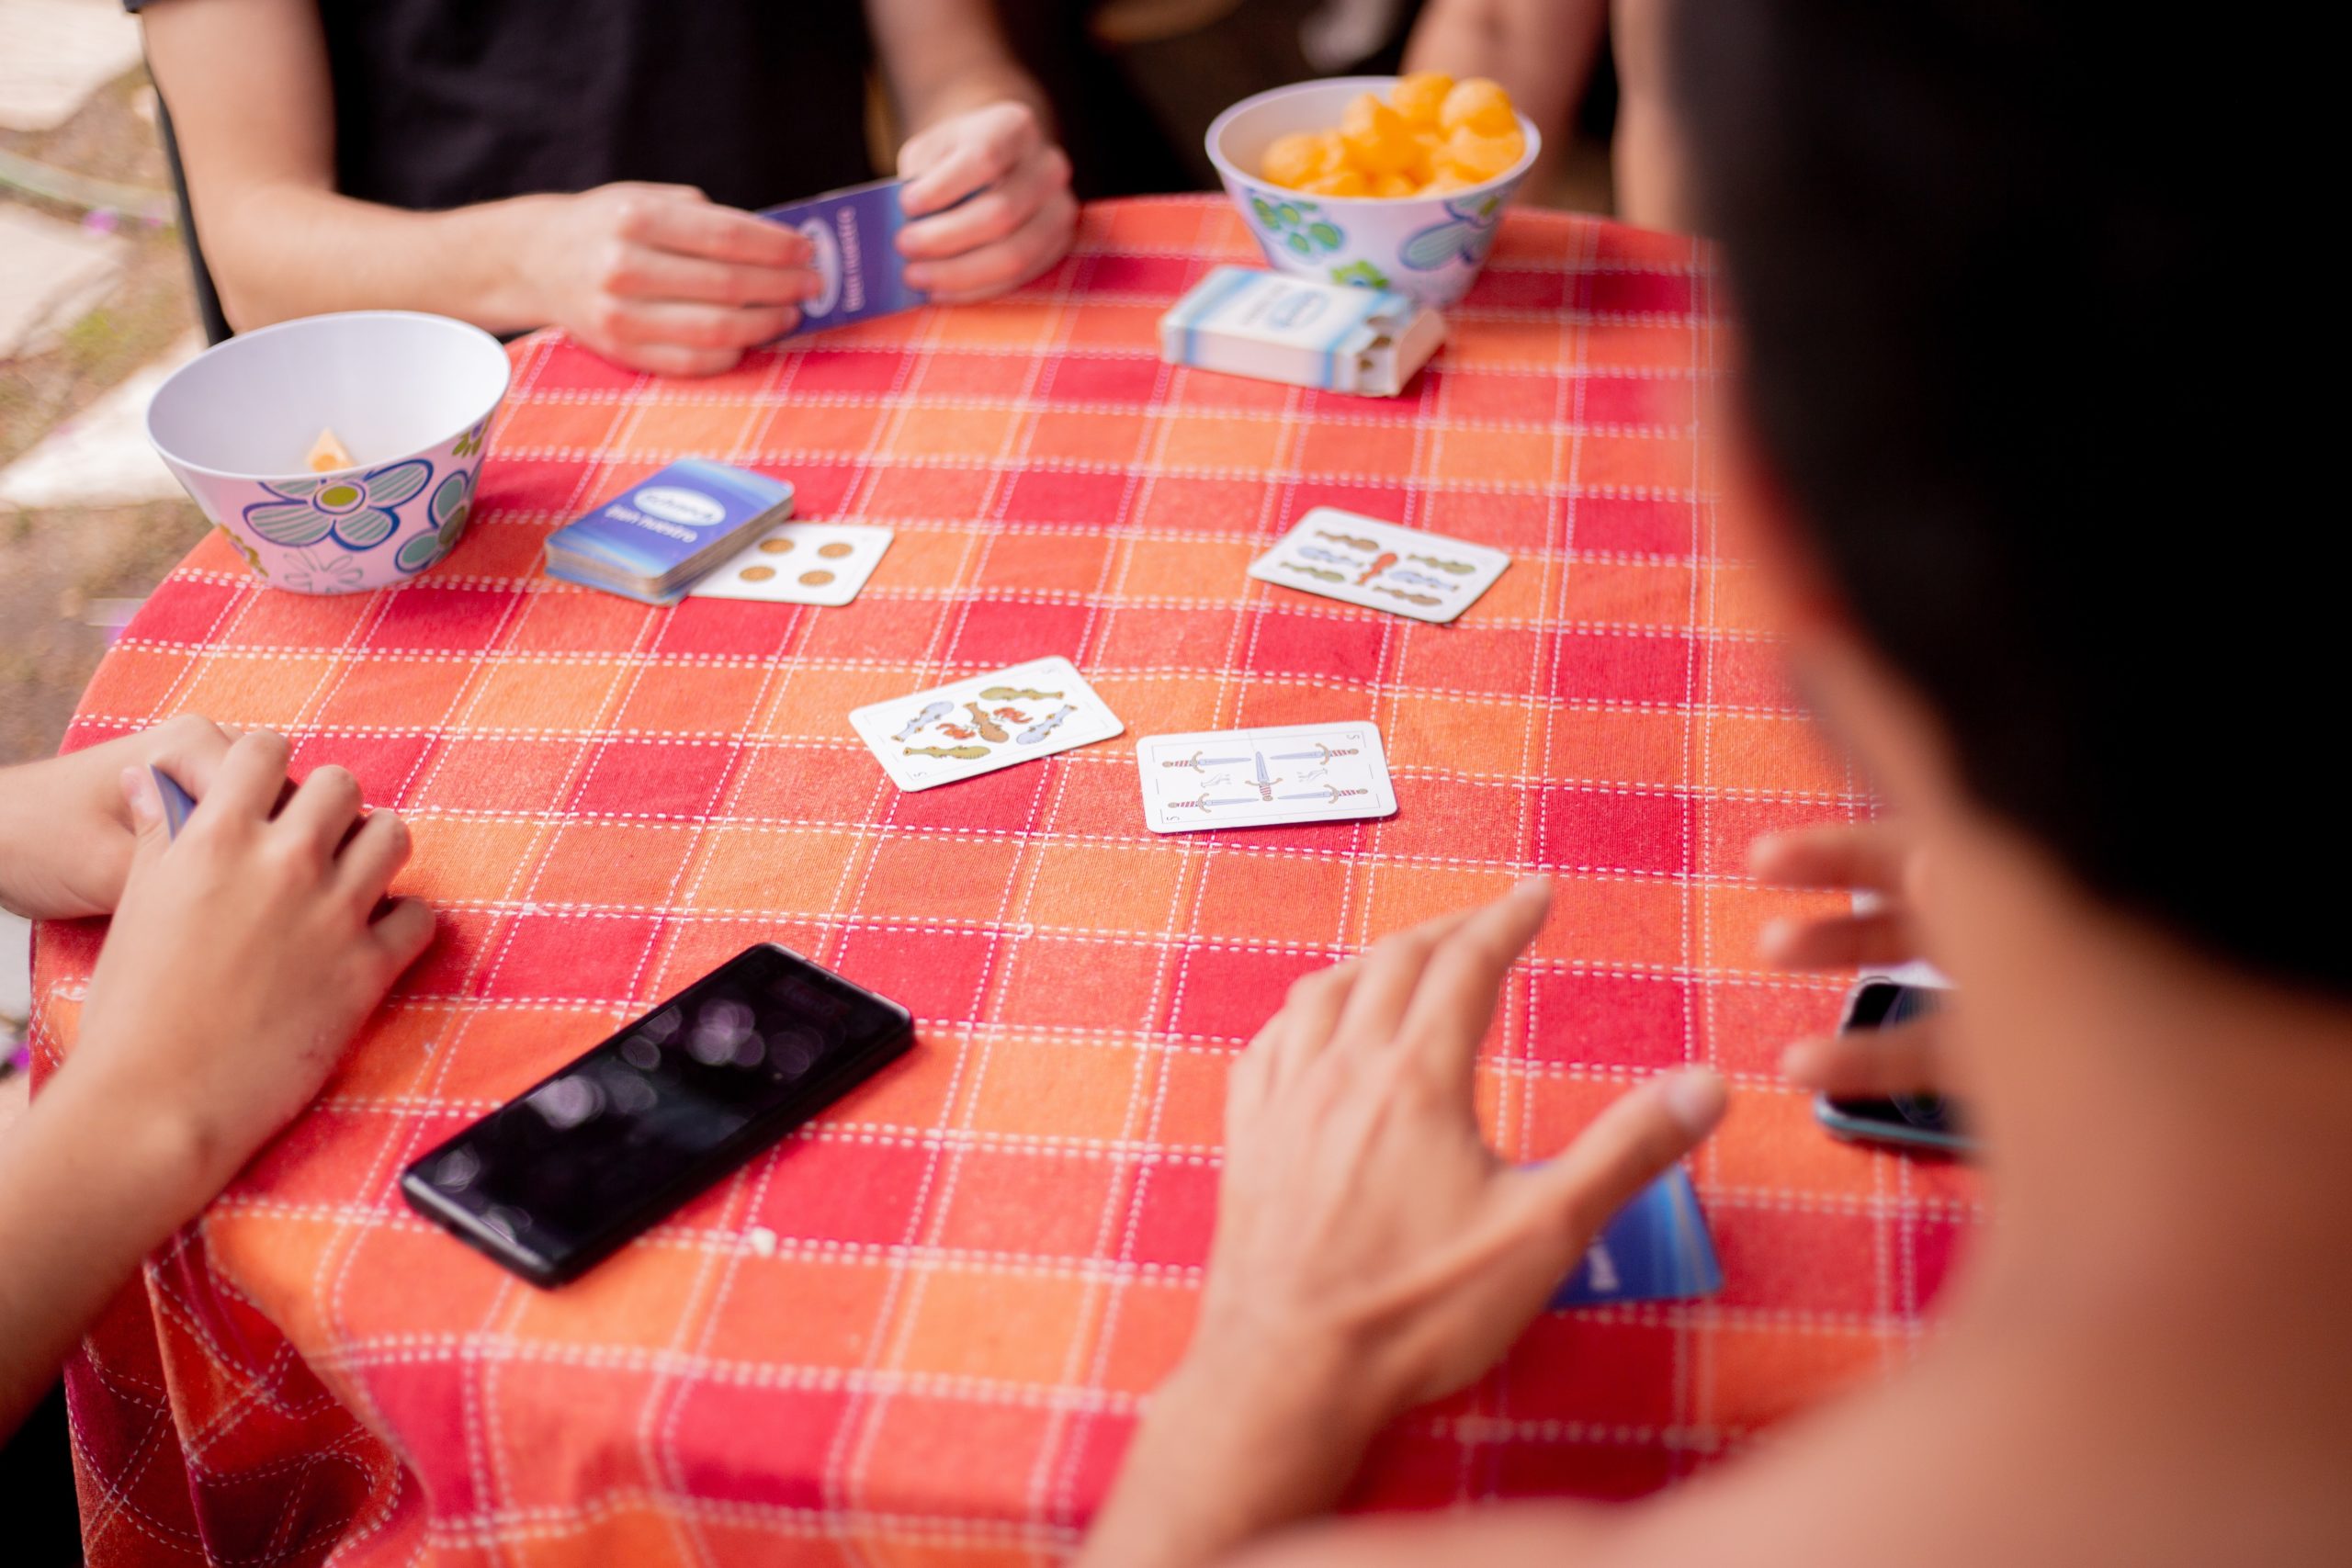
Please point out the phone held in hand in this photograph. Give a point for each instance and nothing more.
(1932, 1121)
(560, 1177)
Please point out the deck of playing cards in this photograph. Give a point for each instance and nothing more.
(1362, 560)
(1657, 1249)
(1246, 322)
(800, 563)
(854, 234)
(654, 539)
(984, 722)
(1257, 778)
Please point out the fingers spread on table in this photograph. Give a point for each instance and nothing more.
(1841, 942)
(1856, 854)
(373, 857)
(1307, 1019)
(323, 810)
(1624, 1149)
(250, 777)
(401, 933)
(1870, 1064)
(1391, 968)
(1449, 1011)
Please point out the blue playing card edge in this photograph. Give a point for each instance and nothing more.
(177, 802)
(1664, 1216)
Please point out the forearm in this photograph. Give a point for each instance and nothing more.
(945, 57)
(279, 250)
(252, 99)
(1227, 1454)
(20, 841)
(87, 1188)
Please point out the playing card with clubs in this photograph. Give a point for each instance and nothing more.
(984, 722)
(799, 563)
(1254, 778)
(1380, 566)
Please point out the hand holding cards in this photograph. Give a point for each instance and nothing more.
(853, 237)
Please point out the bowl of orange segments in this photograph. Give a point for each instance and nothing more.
(1386, 182)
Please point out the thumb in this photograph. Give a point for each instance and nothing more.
(1627, 1146)
(151, 834)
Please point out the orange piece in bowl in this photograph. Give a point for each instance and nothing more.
(1478, 105)
(1292, 159)
(1339, 182)
(1421, 94)
(1378, 140)
(1472, 158)
(1395, 186)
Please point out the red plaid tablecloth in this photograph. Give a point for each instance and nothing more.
(918, 1332)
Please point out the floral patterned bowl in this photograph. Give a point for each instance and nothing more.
(410, 394)
(1427, 246)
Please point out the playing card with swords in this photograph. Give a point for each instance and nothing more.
(1245, 778)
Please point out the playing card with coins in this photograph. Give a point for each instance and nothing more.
(799, 563)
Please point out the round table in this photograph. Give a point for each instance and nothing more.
(919, 1330)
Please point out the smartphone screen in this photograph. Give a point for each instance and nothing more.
(575, 1166)
(1929, 1119)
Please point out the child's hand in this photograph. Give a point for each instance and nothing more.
(660, 277)
(1017, 226)
(65, 828)
(242, 958)
(1878, 858)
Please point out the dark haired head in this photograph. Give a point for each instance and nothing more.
(2010, 349)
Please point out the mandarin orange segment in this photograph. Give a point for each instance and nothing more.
(1420, 94)
(1432, 136)
(1378, 140)
(1340, 182)
(1468, 156)
(1478, 105)
(1292, 159)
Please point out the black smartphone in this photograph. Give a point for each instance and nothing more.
(1912, 1121)
(562, 1174)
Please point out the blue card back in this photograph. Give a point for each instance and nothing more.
(1657, 1249)
(856, 235)
(177, 802)
(664, 521)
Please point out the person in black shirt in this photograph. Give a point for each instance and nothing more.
(590, 163)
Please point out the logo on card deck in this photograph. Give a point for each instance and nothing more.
(687, 508)
(827, 262)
